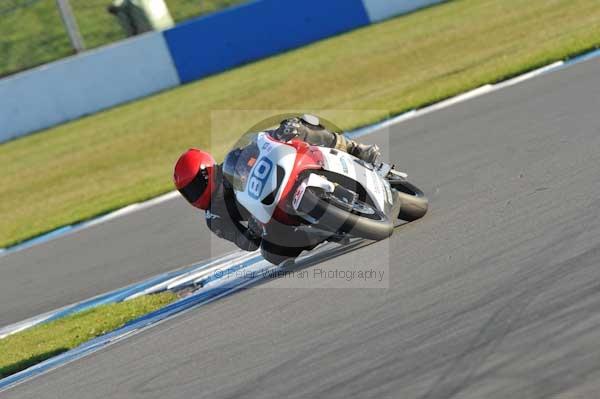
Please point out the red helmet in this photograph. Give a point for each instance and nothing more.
(194, 177)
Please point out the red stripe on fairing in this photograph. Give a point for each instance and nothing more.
(307, 158)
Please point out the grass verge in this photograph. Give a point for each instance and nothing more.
(32, 33)
(24, 349)
(108, 160)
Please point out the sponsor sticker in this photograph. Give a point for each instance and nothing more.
(211, 216)
(344, 165)
(267, 147)
(388, 192)
(298, 196)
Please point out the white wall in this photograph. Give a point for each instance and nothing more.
(379, 10)
(90, 82)
(84, 84)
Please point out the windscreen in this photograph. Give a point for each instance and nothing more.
(240, 160)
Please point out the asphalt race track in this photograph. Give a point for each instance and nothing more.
(494, 294)
(103, 258)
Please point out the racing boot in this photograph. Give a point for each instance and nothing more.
(368, 153)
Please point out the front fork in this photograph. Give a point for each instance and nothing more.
(385, 170)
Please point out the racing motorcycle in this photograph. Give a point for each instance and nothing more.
(300, 195)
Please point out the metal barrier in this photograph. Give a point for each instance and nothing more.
(99, 79)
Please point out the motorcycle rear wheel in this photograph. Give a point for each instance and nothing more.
(334, 215)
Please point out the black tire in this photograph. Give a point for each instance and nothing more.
(334, 218)
(277, 254)
(414, 203)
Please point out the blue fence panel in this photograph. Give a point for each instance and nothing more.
(256, 30)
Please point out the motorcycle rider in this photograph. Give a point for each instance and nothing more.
(201, 182)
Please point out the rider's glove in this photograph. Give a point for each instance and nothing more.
(288, 129)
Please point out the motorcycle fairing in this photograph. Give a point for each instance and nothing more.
(263, 189)
(363, 173)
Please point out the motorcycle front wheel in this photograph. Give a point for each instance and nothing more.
(414, 203)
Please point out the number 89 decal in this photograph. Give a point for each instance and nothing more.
(260, 176)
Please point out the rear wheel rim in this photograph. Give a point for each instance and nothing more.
(362, 208)
(358, 207)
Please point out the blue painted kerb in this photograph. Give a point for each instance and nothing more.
(256, 30)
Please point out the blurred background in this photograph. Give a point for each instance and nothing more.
(33, 32)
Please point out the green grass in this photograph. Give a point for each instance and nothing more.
(24, 349)
(99, 163)
(33, 33)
